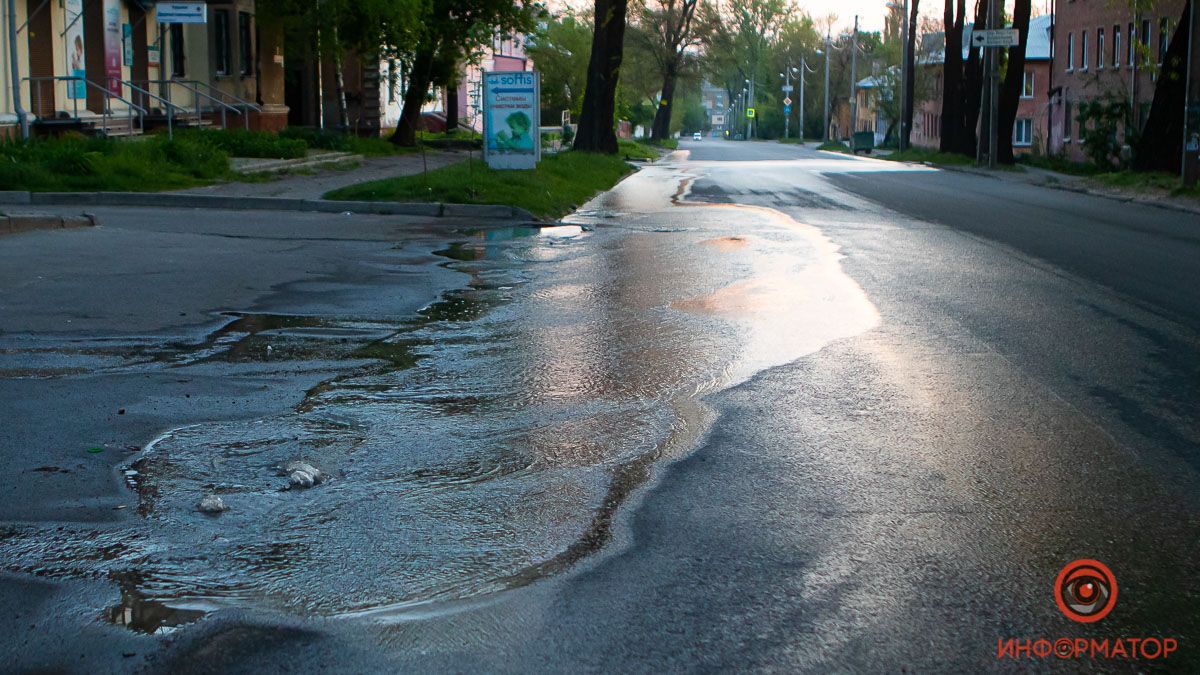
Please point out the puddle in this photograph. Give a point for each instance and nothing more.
(493, 437)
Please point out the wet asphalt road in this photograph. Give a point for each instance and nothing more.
(1011, 387)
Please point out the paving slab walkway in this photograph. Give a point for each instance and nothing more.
(314, 186)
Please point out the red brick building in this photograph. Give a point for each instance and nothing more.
(1104, 49)
(1030, 131)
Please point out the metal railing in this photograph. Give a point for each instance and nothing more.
(37, 97)
(168, 106)
(223, 101)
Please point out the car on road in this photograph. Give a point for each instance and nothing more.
(696, 136)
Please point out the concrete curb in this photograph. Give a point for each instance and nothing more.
(14, 223)
(178, 201)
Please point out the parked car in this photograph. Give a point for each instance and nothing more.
(696, 136)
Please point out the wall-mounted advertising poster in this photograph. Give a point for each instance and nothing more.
(511, 116)
(112, 45)
(76, 61)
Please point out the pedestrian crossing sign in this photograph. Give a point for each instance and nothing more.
(749, 113)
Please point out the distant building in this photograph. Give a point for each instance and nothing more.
(717, 108)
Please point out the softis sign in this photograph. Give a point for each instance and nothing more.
(511, 116)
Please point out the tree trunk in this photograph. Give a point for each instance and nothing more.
(452, 105)
(952, 77)
(414, 98)
(596, 133)
(1014, 80)
(906, 103)
(968, 139)
(661, 129)
(1160, 147)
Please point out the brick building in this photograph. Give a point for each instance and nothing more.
(1104, 49)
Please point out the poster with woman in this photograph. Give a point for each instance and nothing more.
(76, 63)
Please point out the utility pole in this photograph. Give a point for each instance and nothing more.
(825, 129)
(994, 86)
(787, 90)
(22, 116)
(1190, 166)
(904, 75)
(750, 106)
(803, 67)
(854, 79)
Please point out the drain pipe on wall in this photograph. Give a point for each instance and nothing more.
(22, 117)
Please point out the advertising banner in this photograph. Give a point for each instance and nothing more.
(76, 62)
(182, 12)
(511, 117)
(112, 45)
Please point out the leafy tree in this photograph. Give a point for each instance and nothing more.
(1160, 147)
(667, 33)
(561, 49)
(447, 30)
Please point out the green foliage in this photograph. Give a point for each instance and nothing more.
(1099, 121)
(559, 184)
(243, 143)
(337, 141)
(925, 156)
(1052, 163)
(561, 48)
(637, 150)
(75, 162)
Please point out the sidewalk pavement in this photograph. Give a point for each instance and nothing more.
(316, 185)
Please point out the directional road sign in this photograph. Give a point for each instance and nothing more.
(787, 100)
(1003, 37)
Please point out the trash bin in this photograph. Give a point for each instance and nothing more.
(862, 141)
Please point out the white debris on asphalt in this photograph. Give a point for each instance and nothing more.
(212, 504)
(302, 474)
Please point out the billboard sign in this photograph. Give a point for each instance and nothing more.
(511, 117)
(112, 45)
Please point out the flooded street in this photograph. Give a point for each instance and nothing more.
(482, 444)
(757, 408)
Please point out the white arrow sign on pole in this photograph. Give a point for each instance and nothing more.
(1003, 37)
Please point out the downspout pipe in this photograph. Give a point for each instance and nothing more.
(22, 117)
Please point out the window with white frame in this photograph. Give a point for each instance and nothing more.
(1116, 52)
(1132, 50)
(1099, 49)
(1083, 52)
(1023, 132)
(1027, 84)
(1070, 52)
(1164, 37)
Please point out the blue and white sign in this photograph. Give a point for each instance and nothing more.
(511, 117)
(182, 12)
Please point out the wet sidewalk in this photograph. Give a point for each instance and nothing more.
(315, 185)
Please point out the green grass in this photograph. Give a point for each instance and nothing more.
(792, 140)
(834, 146)
(559, 184)
(636, 149)
(78, 163)
(243, 143)
(1058, 164)
(666, 143)
(923, 155)
(1149, 182)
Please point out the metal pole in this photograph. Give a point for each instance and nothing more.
(15, 72)
(994, 87)
(825, 129)
(787, 82)
(749, 105)
(904, 75)
(1189, 166)
(800, 126)
(854, 80)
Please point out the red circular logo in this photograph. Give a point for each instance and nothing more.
(1085, 590)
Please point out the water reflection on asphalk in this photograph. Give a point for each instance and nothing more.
(501, 453)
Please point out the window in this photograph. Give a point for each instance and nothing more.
(1132, 38)
(1146, 33)
(1023, 132)
(1070, 52)
(1099, 48)
(1027, 85)
(178, 54)
(1116, 46)
(221, 38)
(1068, 122)
(1083, 52)
(245, 44)
(1164, 37)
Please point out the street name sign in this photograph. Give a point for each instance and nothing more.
(511, 117)
(182, 12)
(1002, 37)
(787, 88)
